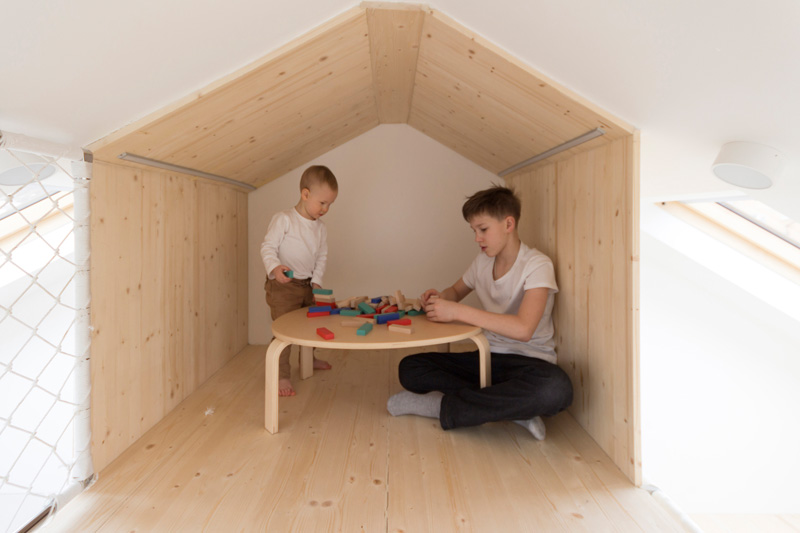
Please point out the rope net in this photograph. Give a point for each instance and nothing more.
(44, 334)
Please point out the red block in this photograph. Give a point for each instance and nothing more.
(325, 333)
(401, 322)
(391, 309)
(325, 304)
(379, 309)
(320, 313)
(371, 315)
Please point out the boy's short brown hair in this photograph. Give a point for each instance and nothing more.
(497, 201)
(318, 175)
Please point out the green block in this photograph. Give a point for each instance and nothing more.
(414, 312)
(350, 312)
(322, 291)
(364, 329)
(401, 313)
(366, 308)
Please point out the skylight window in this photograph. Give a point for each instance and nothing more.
(766, 218)
(748, 226)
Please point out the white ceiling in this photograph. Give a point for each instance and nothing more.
(691, 75)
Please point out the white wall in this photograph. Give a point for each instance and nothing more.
(396, 223)
(720, 386)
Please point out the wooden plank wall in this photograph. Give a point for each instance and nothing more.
(583, 212)
(169, 295)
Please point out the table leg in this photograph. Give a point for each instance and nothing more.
(271, 384)
(306, 362)
(485, 357)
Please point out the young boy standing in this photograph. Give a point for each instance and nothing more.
(516, 286)
(296, 241)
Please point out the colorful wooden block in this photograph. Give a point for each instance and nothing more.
(322, 291)
(288, 273)
(414, 312)
(386, 317)
(390, 309)
(325, 333)
(321, 313)
(366, 308)
(400, 322)
(350, 312)
(320, 309)
(364, 329)
(376, 300)
(325, 298)
(408, 330)
(401, 300)
(335, 311)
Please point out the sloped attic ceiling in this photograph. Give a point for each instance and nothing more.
(377, 63)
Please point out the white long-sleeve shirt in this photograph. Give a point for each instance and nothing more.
(297, 242)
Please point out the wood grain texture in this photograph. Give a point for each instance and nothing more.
(583, 212)
(343, 464)
(167, 306)
(377, 63)
(394, 46)
(316, 94)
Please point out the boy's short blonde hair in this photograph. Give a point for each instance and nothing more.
(497, 202)
(318, 175)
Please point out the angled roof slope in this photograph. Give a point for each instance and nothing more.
(377, 63)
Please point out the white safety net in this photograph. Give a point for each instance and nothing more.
(44, 333)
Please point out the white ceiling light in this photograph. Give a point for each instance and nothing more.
(20, 168)
(748, 165)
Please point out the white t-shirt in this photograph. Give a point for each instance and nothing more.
(297, 242)
(532, 269)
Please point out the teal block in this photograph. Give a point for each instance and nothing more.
(364, 329)
(366, 308)
(322, 291)
(350, 312)
(414, 312)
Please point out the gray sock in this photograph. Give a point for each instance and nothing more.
(409, 403)
(535, 425)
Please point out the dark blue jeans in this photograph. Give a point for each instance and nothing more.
(522, 387)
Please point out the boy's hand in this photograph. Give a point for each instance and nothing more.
(441, 310)
(315, 286)
(278, 272)
(427, 295)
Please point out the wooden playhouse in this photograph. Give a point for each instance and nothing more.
(169, 261)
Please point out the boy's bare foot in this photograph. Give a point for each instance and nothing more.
(320, 364)
(285, 387)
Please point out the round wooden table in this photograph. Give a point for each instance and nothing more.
(297, 328)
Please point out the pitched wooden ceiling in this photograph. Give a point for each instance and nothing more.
(375, 64)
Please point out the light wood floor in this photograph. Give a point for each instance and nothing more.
(341, 463)
(748, 523)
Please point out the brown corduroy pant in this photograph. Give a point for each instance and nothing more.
(283, 298)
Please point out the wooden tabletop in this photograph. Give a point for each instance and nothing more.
(297, 328)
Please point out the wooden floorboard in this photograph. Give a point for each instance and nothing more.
(341, 463)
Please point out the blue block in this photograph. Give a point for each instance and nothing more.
(336, 311)
(376, 300)
(320, 309)
(386, 317)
